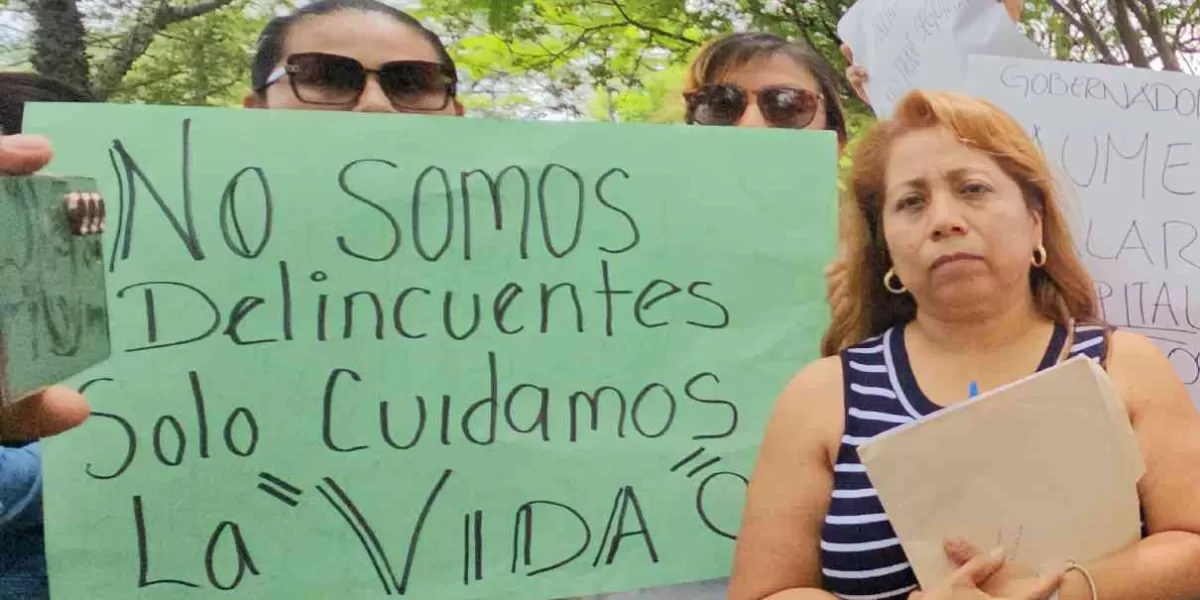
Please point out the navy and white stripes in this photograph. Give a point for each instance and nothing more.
(861, 557)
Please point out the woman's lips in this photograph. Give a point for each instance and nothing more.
(956, 257)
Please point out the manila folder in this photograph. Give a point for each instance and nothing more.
(1046, 467)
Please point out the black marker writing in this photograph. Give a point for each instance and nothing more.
(520, 407)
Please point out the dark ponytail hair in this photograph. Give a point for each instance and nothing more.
(273, 36)
(18, 88)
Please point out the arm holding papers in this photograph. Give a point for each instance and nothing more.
(789, 494)
(1167, 427)
(778, 558)
(858, 74)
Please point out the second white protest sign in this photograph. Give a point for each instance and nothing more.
(909, 44)
(1122, 143)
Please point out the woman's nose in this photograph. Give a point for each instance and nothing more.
(945, 217)
(752, 117)
(373, 98)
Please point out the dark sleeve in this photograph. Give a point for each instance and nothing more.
(20, 481)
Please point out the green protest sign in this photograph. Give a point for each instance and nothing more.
(366, 356)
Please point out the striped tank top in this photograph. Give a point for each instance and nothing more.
(861, 557)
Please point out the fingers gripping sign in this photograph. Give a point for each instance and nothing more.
(43, 414)
(856, 75)
(23, 154)
(54, 409)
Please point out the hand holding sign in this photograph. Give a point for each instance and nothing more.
(906, 45)
(23, 154)
(1012, 580)
(856, 75)
(971, 579)
(50, 412)
(57, 408)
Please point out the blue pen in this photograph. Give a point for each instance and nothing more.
(974, 390)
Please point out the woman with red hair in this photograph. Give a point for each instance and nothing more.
(961, 270)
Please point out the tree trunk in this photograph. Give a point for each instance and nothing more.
(1084, 23)
(1148, 17)
(139, 37)
(59, 42)
(1129, 36)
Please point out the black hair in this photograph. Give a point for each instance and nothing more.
(18, 88)
(736, 50)
(274, 35)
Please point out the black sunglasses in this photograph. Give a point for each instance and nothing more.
(724, 104)
(332, 80)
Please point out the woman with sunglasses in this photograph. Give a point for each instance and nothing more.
(348, 55)
(352, 55)
(754, 80)
(762, 80)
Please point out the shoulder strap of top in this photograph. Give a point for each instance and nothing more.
(1091, 340)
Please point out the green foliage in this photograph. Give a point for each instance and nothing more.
(656, 98)
(581, 46)
(611, 53)
(623, 59)
(202, 61)
(620, 60)
(1163, 32)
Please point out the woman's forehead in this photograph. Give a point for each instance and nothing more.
(933, 153)
(770, 71)
(935, 149)
(371, 38)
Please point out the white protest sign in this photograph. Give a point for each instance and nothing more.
(1122, 142)
(909, 44)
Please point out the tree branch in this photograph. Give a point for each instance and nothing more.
(1152, 25)
(139, 37)
(649, 28)
(631, 78)
(551, 56)
(1186, 18)
(1088, 28)
(131, 87)
(177, 14)
(59, 47)
(793, 16)
(1128, 35)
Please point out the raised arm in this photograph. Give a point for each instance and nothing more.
(778, 549)
(856, 74)
(1014, 9)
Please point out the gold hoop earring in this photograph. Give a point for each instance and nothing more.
(1039, 256)
(888, 278)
